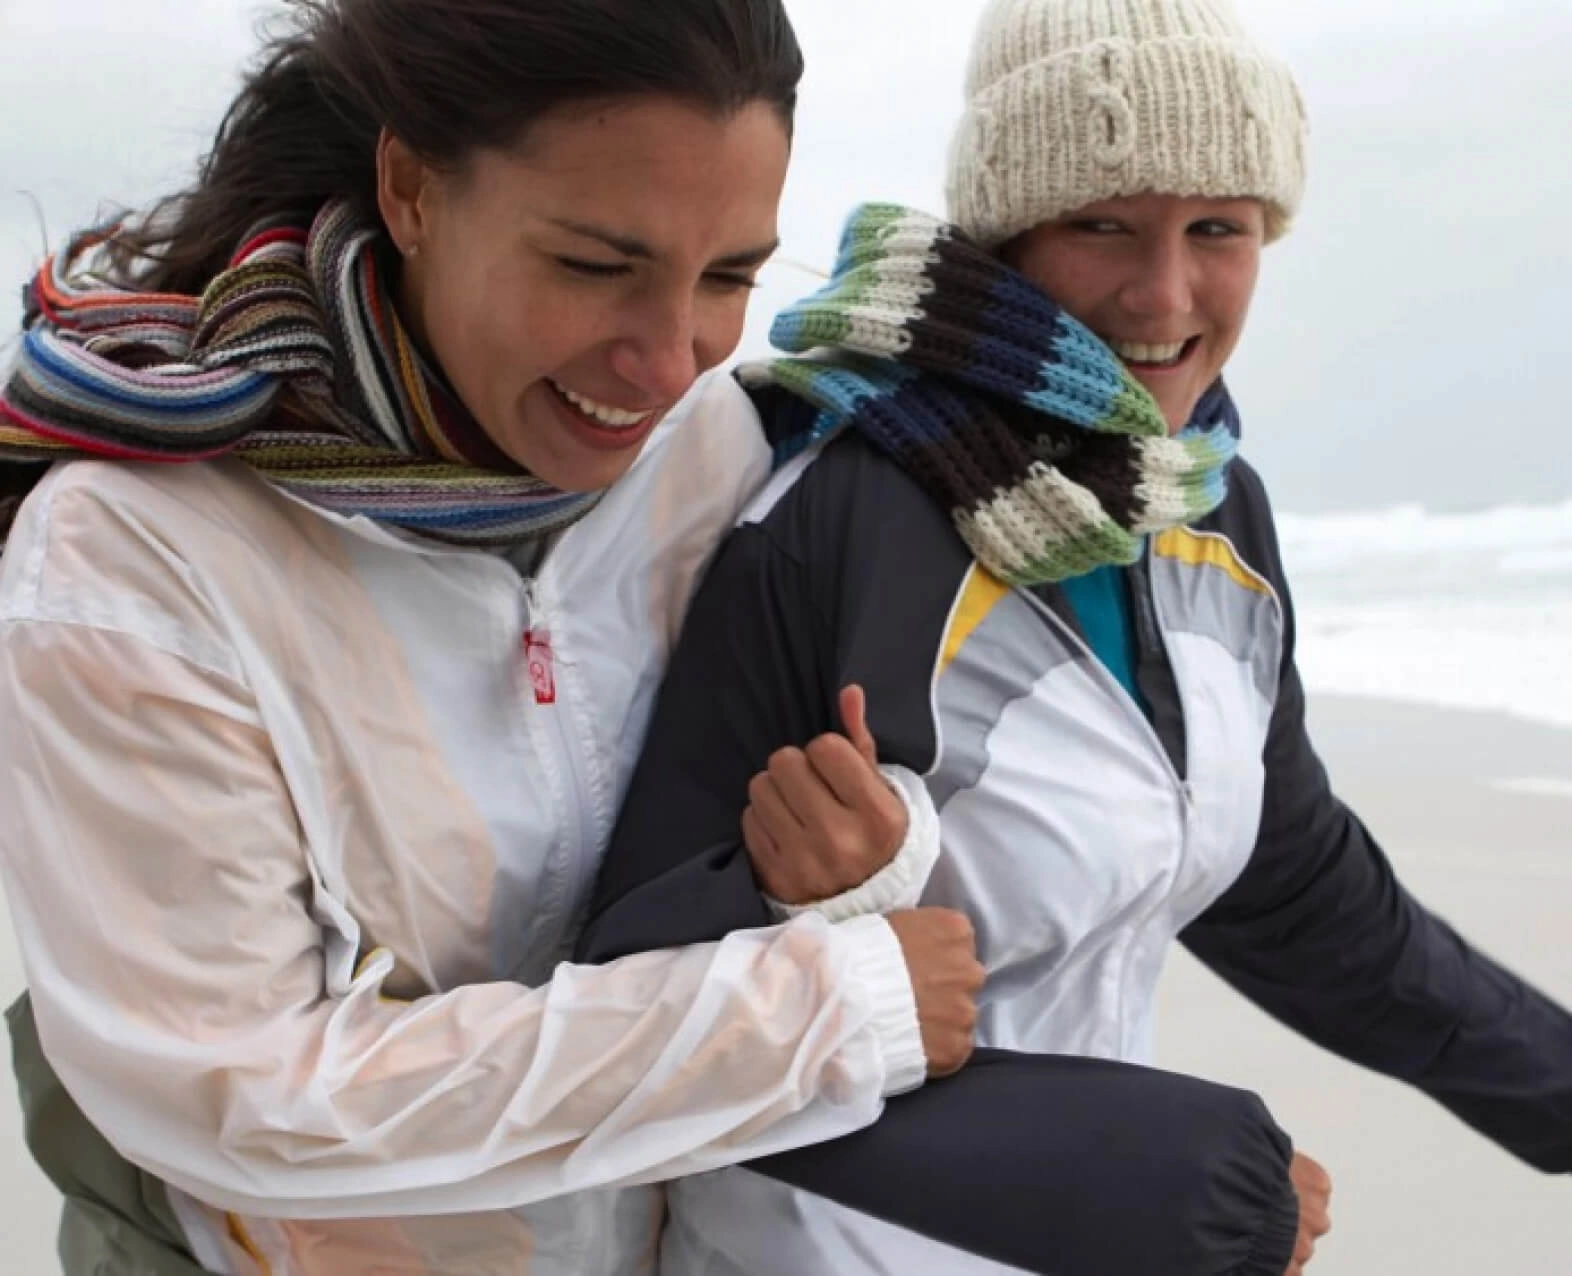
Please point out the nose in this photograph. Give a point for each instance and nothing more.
(1159, 286)
(658, 355)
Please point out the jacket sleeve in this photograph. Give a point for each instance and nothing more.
(749, 676)
(755, 676)
(1319, 932)
(970, 1161)
(173, 930)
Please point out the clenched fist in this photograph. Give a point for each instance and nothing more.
(1314, 1186)
(821, 821)
(941, 957)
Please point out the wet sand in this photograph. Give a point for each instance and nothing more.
(1476, 812)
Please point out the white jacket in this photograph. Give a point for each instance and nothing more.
(295, 847)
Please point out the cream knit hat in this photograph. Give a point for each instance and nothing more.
(1074, 101)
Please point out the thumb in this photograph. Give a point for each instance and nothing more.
(854, 710)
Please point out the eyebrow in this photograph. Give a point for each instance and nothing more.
(641, 251)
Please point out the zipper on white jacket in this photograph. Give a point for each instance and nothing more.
(553, 730)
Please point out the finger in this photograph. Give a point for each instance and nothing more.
(1309, 1174)
(847, 775)
(854, 717)
(772, 867)
(805, 792)
(762, 847)
(774, 812)
(782, 872)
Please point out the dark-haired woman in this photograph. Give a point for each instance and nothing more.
(313, 740)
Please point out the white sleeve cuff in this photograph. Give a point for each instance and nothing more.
(878, 961)
(901, 882)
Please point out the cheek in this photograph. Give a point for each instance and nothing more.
(1074, 280)
(1242, 290)
(720, 330)
(1233, 324)
(494, 335)
(1228, 303)
(452, 309)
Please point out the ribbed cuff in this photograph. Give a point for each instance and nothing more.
(877, 960)
(901, 882)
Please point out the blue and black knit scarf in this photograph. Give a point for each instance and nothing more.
(1052, 459)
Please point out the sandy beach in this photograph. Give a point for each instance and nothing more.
(1476, 811)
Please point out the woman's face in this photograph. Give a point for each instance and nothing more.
(574, 287)
(1166, 281)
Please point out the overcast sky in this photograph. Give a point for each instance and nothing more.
(1411, 339)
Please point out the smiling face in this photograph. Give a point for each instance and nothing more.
(1165, 281)
(573, 288)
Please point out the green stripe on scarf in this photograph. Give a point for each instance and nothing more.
(1049, 455)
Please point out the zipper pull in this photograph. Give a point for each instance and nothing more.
(541, 665)
(539, 662)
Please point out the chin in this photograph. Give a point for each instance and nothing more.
(590, 479)
(563, 468)
(1180, 413)
(573, 475)
(590, 473)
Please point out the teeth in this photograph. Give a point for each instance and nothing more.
(615, 418)
(1136, 352)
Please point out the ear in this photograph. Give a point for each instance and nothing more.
(404, 182)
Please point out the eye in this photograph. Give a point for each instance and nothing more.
(1216, 228)
(594, 269)
(1096, 226)
(728, 281)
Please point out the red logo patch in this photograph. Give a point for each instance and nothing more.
(542, 672)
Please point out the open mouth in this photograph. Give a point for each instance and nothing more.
(1140, 357)
(601, 415)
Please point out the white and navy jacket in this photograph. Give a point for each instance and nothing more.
(1082, 837)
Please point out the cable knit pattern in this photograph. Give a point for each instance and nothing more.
(1074, 101)
(1049, 455)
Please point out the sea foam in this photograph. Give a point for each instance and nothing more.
(1465, 610)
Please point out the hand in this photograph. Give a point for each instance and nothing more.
(821, 821)
(1314, 1186)
(941, 957)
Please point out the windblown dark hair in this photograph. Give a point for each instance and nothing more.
(448, 78)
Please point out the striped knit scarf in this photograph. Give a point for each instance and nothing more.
(1051, 458)
(293, 360)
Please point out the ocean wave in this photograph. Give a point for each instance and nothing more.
(1519, 539)
(1469, 610)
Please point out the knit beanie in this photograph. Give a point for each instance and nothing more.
(1070, 102)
